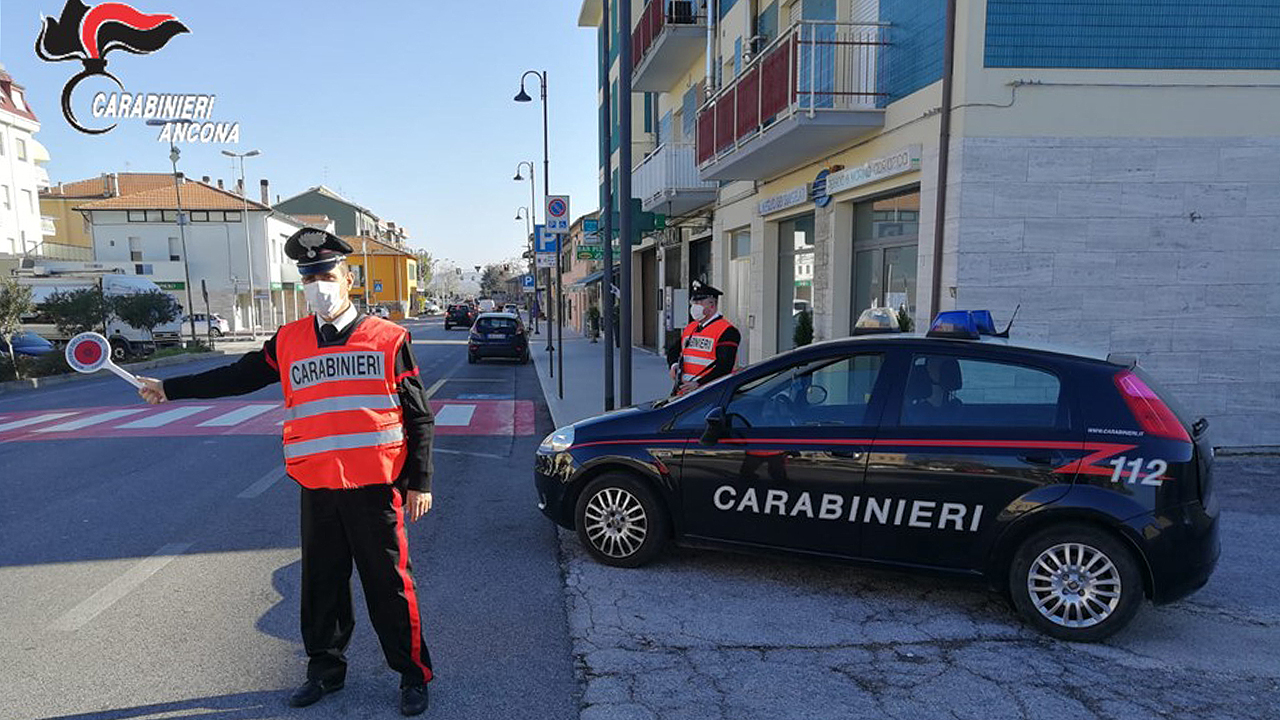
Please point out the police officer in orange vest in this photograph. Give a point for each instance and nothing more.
(357, 438)
(708, 345)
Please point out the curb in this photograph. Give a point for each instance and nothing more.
(13, 386)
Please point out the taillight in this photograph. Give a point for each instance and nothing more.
(1148, 409)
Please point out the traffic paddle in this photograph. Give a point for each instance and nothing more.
(89, 352)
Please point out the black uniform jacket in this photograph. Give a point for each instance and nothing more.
(253, 372)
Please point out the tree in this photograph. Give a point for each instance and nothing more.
(77, 311)
(425, 270)
(15, 303)
(803, 334)
(146, 310)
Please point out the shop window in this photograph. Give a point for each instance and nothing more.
(795, 277)
(885, 253)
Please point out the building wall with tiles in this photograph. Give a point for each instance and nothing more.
(1165, 248)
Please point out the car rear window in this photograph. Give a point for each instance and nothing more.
(942, 390)
(496, 324)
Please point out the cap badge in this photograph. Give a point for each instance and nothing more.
(311, 241)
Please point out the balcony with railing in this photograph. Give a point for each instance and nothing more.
(812, 90)
(668, 38)
(667, 181)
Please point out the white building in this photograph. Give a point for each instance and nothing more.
(22, 174)
(142, 229)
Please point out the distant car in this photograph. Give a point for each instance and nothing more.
(498, 335)
(461, 315)
(488, 305)
(380, 311)
(431, 308)
(512, 308)
(27, 343)
(215, 325)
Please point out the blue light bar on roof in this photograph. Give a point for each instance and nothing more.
(962, 324)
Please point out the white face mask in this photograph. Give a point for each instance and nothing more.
(324, 297)
(696, 311)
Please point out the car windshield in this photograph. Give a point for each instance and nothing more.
(492, 324)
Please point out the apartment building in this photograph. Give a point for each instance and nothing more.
(23, 228)
(1113, 169)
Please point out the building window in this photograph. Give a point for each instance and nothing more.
(886, 239)
(740, 244)
(232, 216)
(137, 215)
(2, 141)
(22, 148)
(175, 249)
(154, 216)
(169, 216)
(200, 216)
(30, 201)
(795, 276)
(144, 269)
(135, 249)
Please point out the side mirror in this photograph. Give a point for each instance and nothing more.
(717, 426)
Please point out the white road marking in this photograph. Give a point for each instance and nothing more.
(82, 614)
(237, 416)
(436, 386)
(15, 424)
(469, 452)
(455, 415)
(263, 484)
(85, 422)
(164, 418)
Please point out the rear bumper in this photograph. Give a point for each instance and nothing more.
(497, 349)
(1182, 546)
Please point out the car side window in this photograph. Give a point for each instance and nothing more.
(942, 390)
(826, 392)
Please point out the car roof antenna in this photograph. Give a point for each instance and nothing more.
(1005, 332)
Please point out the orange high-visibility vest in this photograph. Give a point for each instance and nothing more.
(699, 347)
(344, 426)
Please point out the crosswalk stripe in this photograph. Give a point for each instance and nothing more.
(164, 418)
(455, 415)
(24, 422)
(237, 416)
(85, 422)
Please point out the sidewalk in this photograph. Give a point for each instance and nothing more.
(584, 376)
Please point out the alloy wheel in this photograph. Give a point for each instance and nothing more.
(1074, 585)
(616, 523)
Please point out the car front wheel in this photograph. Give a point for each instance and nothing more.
(215, 332)
(621, 521)
(1076, 582)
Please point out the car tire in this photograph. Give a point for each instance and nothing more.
(1076, 582)
(471, 359)
(524, 359)
(121, 349)
(215, 332)
(621, 521)
(446, 326)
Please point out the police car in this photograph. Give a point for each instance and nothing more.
(1070, 481)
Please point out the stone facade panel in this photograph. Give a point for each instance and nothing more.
(1059, 164)
(1187, 164)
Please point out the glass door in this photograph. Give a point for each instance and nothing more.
(795, 277)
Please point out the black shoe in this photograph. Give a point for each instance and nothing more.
(311, 691)
(413, 700)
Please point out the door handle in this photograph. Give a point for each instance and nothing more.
(1044, 460)
(850, 454)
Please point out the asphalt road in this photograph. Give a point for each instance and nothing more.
(149, 565)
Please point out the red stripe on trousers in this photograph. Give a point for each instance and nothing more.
(410, 595)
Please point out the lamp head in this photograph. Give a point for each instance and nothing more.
(228, 153)
(252, 153)
(518, 176)
(523, 96)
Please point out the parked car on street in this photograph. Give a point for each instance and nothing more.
(1070, 481)
(215, 325)
(26, 343)
(380, 311)
(459, 316)
(498, 335)
(511, 308)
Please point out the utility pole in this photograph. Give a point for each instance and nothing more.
(625, 223)
(606, 212)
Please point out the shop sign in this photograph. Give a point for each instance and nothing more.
(904, 161)
(795, 196)
(171, 285)
(589, 252)
(818, 189)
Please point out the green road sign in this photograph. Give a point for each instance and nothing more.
(590, 252)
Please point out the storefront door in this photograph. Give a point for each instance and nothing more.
(795, 277)
(885, 253)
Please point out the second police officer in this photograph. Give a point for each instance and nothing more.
(357, 438)
(708, 345)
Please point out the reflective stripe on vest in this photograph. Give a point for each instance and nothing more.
(341, 404)
(344, 442)
(345, 426)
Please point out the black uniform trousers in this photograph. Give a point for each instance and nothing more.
(365, 526)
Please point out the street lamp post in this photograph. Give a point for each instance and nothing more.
(522, 96)
(174, 154)
(533, 271)
(533, 258)
(248, 248)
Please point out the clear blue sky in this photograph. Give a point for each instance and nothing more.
(405, 107)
